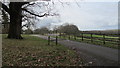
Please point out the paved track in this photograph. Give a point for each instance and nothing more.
(93, 55)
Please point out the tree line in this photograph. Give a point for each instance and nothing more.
(68, 29)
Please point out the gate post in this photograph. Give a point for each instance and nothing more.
(103, 38)
(56, 40)
(91, 37)
(48, 40)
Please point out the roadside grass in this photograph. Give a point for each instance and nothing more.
(34, 51)
(96, 42)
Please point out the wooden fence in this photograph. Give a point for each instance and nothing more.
(52, 39)
(92, 37)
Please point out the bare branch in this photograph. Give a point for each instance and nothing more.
(29, 4)
(33, 13)
(5, 8)
(23, 3)
(77, 4)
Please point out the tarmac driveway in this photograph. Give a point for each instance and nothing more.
(93, 55)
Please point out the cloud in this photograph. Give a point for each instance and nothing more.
(92, 16)
(89, 16)
(47, 22)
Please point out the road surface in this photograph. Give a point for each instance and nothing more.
(93, 55)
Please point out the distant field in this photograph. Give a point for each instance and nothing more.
(33, 51)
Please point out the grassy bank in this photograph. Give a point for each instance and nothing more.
(33, 51)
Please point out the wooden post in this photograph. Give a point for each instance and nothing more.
(56, 40)
(119, 41)
(82, 36)
(74, 37)
(60, 34)
(103, 39)
(69, 37)
(48, 40)
(91, 37)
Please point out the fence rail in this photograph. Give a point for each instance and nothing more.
(93, 37)
(100, 39)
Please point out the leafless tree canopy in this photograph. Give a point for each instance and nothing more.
(26, 12)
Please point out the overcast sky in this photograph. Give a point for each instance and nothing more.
(86, 15)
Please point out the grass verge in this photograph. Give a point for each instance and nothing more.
(33, 51)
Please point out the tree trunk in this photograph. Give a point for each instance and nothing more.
(15, 21)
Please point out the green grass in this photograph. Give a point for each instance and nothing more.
(33, 51)
(99, 36)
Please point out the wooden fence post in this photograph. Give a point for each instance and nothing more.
(56, 40)
(82, 36)
(91, 37)
(103, 39)
(74, 37)
(69, 37)
(48, 40)
(59, 35)
(118, 41)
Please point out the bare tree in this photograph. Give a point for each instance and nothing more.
(19, 12)
(68, 29)
(43, 30)
(5, 22)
